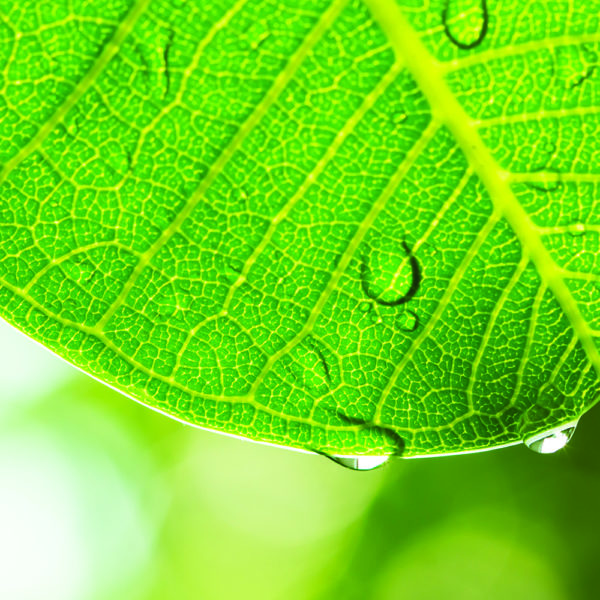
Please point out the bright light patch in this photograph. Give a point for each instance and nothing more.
(63, 516)
(27, 369)
(360, 463)
(366, 463)
(554, 443)
(42, 553)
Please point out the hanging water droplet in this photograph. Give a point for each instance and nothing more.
(553, 440)
(360, 463)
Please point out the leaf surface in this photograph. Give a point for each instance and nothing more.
(349, 227)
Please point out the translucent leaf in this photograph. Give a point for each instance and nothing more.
(357, 228)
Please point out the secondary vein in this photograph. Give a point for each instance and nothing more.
(268, 100)
(107, 54)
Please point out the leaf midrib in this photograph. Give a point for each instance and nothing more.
(445, 107)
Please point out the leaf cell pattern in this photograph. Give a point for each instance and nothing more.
(349, 227)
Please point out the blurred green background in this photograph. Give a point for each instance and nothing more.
(102, 498)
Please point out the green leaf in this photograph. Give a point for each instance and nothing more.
(349, 227)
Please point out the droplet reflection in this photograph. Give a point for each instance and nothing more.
(360, 463)
(577, 230)
(552, 441)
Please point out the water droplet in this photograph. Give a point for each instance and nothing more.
(390, 274)
(364, 307)
(233, 270)
(408, 321)
(399, 117)
(466, 23)
(577, 230)
(256, 35)
(360, 463)
(374, 318)
(550, 181)
(575, 65)
(553, 440)
(166, 310)
(74, 122)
